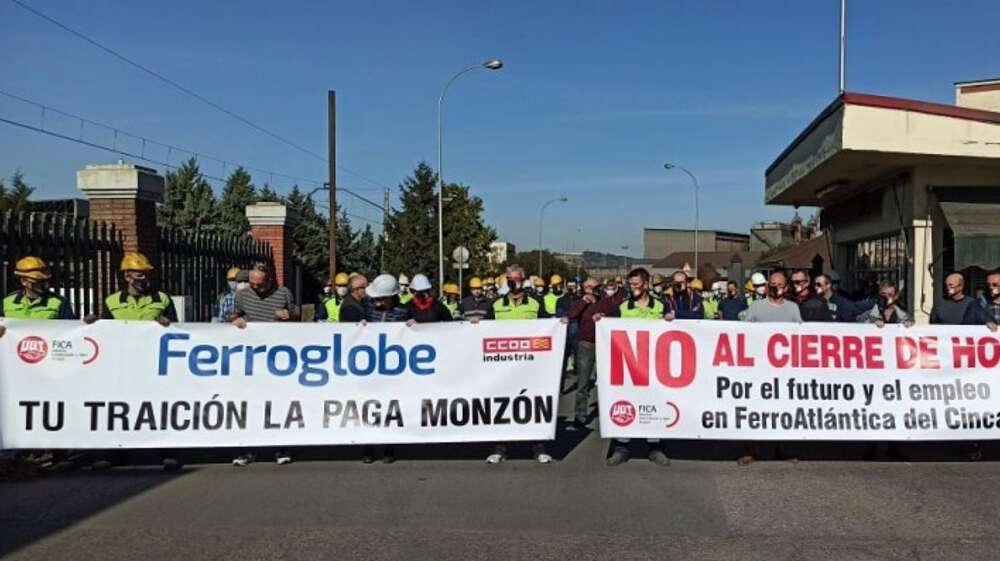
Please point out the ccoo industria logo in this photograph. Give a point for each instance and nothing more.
(507, 349)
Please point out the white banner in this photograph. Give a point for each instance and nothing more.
(826, 381)
(139, 385)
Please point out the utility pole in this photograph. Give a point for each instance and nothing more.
(385, 223)
(843, 41)
(331, 97)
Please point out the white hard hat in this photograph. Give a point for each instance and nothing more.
(757, 279)
(420, 282)
(403, 279)
(383, 286)
(719, 286)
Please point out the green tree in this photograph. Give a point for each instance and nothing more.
(188, 201)
(268, 195)
(412, 230)
(551, 265)
(238, 193)
(310, 240)
(365, 253)
(16, 198)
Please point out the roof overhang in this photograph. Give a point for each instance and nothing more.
(859, 138)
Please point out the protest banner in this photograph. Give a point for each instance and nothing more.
(140, 385)
(817, 381)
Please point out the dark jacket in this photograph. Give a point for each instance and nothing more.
(434, 312)
(471, 307)
(845, 309)
(964, 312)
(686, 305)
(814, 308)
(564, 303)
(351, 310)
(730, 308)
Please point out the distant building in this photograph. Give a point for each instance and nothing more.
(909, 190)
(657, 243)
(770, 236)
(500, 252)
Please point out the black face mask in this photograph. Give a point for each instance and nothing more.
(515, 287)
(883, 302)
(774, 292)
(139, 285)
(678, 287)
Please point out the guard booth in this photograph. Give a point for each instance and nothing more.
(909, 191)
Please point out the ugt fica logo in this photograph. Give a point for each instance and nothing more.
(32, 349)
(622, 413)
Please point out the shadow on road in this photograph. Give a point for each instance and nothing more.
(719, 450)
(37, 507)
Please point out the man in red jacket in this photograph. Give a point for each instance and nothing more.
(582, 311)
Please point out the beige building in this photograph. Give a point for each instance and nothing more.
(658, 243)
(909, 190)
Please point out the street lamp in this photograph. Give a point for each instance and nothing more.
(697, 188)
(492, 64)
(541, 217)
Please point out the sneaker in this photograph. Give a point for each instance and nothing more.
(745, 460)
(543, 458)
(243, 460)
(578, 426)
(100, 465)
(282, 459)
(619, 456)
(494, 458)
(659, 458)
(171, 464)
(389, 455)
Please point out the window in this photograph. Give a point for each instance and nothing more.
(876, 260)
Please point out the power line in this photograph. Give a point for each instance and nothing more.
(186, 90)
(169, 147)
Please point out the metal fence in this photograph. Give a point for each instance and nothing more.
(195, 265)
(82, 253)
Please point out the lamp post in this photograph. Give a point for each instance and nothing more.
(541, 218)
(697, 188)
(493, 64)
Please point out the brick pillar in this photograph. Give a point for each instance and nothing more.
(272, 223)
(126, 196)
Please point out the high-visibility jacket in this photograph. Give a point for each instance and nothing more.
(529, 308)
(452, 307)
(629, 309)
(550, 300)
(710, 306)
(332, 306)
(49, 306)
(405, 297)
(122, 305)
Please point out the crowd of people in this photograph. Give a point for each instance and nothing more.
(253, 297)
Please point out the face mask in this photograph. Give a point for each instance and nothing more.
(539, 289)
(139, 285)
(341, 291)
(761, 290)
(884, 303)
(557, 291)
(610, 291)
(775, 292)
(382, 303)
(232, 285)
(39, 287)
(678, 287)
(514, 287)
(242, 285)
(799, 288)
(994, 292)
(476, 293)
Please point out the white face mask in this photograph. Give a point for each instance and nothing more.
(610, 291)
(341, 291)
(242, 285)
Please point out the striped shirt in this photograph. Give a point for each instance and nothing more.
(261, 307)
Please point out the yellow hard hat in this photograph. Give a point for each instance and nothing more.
(657, 279)
(501, 279)
(450, 288)
(231, 273)
(134, 261)
(475, 282)
(748, 286)
(32, 267)
(696, 284)
(539, 281)
(555, 280)
(341, 279)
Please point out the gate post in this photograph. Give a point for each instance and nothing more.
(126, 195)
(272, 223)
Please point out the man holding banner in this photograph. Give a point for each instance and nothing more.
(642, 305)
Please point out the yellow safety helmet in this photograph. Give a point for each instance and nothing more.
(231, 273)
(539, 281)
(555, 280)
(475, 282)
(696, 284)
(341, 279)
(657, 279)
(32, 267)
(450, 288)
(748, 286)
(501, 279)
(134, 261)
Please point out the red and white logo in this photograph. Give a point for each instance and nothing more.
(516, 344)
(622, 413)
(32, 349)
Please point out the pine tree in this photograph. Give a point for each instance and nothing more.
(310, 240)
(412, 230)
(268, 195)
(365, 253)
(188, 201)
(238, 193)
(17, 197)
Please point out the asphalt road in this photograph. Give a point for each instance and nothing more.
(445, 503)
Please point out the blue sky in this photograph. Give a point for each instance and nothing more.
(594, 97)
